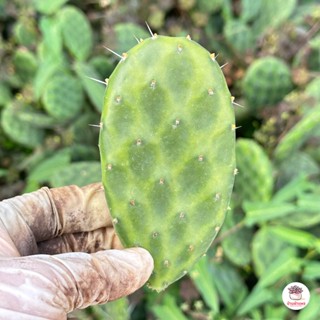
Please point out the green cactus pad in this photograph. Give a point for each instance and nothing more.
(266, 82)
(255, 179)
(79, 173)
(76, 31)
(167, 145)
(63, 97)
(298, 164)
(239, 36)
(94, 92)
(20, 131)
(299, 134)
(272, 14)
(5, 94)
(48, 7)
(124, 38)
(25, 64)
(262, 255)
(238, 241)
(26, 32)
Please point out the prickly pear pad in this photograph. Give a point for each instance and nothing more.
(167, 146)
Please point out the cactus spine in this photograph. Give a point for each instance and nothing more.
(167, 145)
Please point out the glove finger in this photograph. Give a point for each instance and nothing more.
(90, 242)
(48, 213)
(49, 287)
(89, 279)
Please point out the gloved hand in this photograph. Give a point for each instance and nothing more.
(53, 256)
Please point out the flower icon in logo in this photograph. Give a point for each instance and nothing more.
(295, 292)
(295, 296)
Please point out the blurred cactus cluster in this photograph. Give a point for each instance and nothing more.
(270, 54)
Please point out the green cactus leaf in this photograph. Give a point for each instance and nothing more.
(168, 310)
(76, 31)
(82, 131)
(103, 65)
(273, 14)
(46, 70)
(239, 36)
(48, 7)
(125, 34)
(254, 182)
(52, 38)
(19, 131)
(250, 9)
(229, 283)
(63, 97)
(113, 310)
(299, 134)
(238, 241)
(29, 115)
(5, 94)
(312, 90)
(78, 173)
(210, 6)
(3, 4)
(260, 212)
(257, 297)
(296, 237)
(266, 82)
(313, 310)
(283, 265)
(262, 256)
(306, 215)
(299, 163)
(94, 90)
(25, 64)
(82, 152)
(167, 143)
(315, 42)
(26, 32)
(118, 309)
(204, 281)
(44, 170)
(3, 172)
(311, 270)
(293, 189)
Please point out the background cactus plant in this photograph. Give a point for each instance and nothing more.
(255, 179)
(41, 40)
(266, 82)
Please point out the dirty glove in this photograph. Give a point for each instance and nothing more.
(53, 256)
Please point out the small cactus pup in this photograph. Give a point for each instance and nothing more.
(167, 147)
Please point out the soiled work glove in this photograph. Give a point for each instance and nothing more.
(53, 256)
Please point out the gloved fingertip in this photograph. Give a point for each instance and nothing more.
(144, 259)
(127, 270)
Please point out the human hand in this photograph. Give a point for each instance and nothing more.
(54, 257)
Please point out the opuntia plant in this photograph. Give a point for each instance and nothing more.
(167, 145)
(266, 82)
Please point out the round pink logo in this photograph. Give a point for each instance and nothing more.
(296, 296)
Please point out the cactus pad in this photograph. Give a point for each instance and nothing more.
(25, 65)
(239, 36)
(48, 7)
(298, 134)
(63, 97)
(77, 33)
(20, 131)
(266, 82)
(167, 145)
(255, 179)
